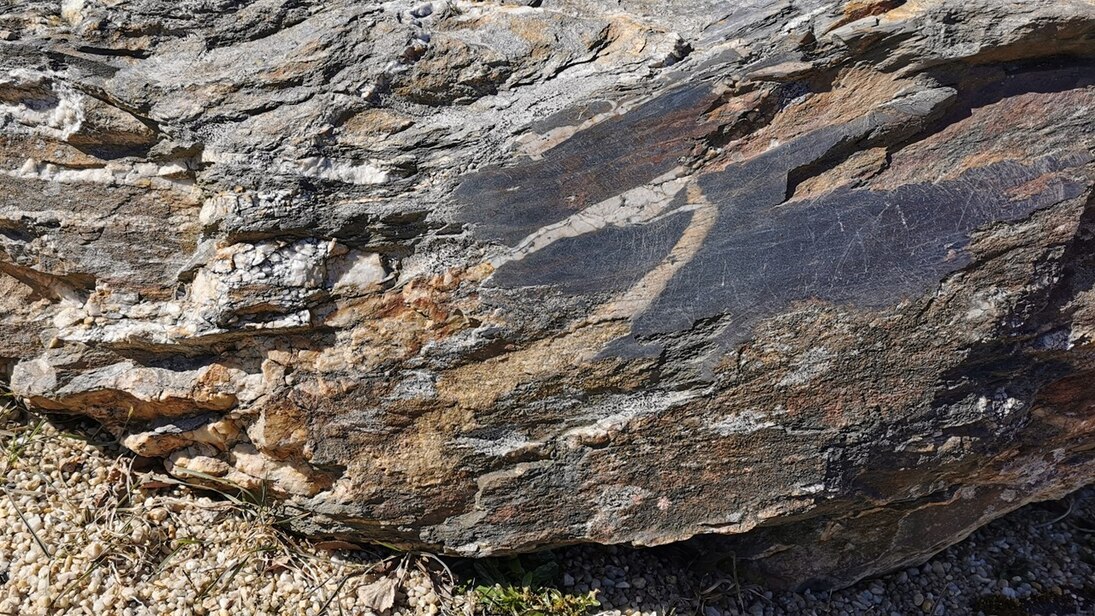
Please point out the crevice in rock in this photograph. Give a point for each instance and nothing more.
(71, 287)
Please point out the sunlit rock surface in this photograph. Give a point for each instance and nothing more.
(811, 277)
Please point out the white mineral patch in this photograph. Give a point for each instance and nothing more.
(348, 171)
(808, 489)
(340, 170)
(294, 320)
(114, 174)
(58, 117)
(128, 330)
(1002, 405)
(357, 271)
(282, 275)
(175, 169)
(504, 445)
(72, 11)
(299, 265)
(289, 271)
(216, 208)
(50, 172)
(617, 411)
(741, 423)
(791, 24)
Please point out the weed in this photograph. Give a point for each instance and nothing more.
(533, 571)
(524, 601)
(18, 439)
(516, 587)
(999, 605)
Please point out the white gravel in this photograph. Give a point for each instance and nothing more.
(84, 531)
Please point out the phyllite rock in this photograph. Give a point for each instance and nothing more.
(810, 281)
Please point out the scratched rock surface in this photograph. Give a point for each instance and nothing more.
(809, 282)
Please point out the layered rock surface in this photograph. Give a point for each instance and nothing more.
(811, 277)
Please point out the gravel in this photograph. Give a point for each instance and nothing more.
(82, 531)
(1039, 560)
(86, 529)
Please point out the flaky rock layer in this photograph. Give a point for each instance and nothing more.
(813, 277)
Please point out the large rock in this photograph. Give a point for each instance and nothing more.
(485, 278)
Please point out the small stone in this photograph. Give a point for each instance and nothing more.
(422, 10)
(568, 580)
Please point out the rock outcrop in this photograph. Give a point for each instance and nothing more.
(812, 277)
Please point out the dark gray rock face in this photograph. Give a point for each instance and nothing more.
(807, 281)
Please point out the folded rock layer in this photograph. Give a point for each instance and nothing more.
(810, 281)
